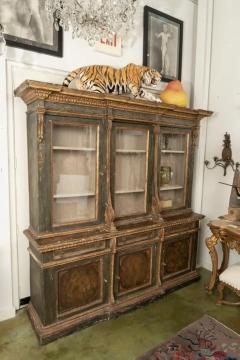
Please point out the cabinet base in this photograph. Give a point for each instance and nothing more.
(49, 333)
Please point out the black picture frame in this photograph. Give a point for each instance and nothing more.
(56, 49)
(26, 26)
(158, 37)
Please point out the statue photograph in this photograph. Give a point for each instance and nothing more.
(163, 43)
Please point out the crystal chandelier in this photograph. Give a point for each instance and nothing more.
(93, 19)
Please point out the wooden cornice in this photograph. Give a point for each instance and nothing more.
(30, 91)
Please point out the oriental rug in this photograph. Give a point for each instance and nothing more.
(205, 339)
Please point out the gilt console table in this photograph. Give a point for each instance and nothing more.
(227, 233)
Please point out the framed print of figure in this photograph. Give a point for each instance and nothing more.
(162, 43)
(27, 26)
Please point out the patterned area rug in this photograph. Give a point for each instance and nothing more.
(205, 339)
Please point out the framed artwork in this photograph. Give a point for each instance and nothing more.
(162, 43)
(27, 26)
(110, 46)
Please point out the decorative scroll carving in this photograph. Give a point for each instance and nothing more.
(211, 243)
(230, 241)
(226, 159)
(31, 90)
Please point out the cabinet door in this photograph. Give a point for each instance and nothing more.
(177, 256)
(174, 172)
(131, 168)
(75, 172)
(134, 269)
(82, 285)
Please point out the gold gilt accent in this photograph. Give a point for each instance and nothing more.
(229, 240)
(109, 212)
(156, 202)
(31, 90)
(112, 267)
(41, 112)
(211, 243)
(58, 98)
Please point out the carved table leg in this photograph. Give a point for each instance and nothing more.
(225, 259)
(211, 243)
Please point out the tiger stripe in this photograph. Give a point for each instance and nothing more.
(106, 79)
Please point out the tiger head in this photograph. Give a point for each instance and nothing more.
(151, 77)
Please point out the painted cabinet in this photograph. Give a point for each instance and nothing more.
(111, 224)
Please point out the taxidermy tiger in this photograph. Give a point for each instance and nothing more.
(106, 79)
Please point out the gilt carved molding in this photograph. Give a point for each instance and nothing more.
(41, 127)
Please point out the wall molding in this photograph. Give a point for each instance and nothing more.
(201, 90)
(201, 100)
(11, 68)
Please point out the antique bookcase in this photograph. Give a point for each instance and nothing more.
(111, 224)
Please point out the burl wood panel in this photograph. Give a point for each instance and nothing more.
(176, 255)
(134, 270)
(79, 286)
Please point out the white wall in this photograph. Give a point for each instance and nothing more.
(20, 64)
(224, 100)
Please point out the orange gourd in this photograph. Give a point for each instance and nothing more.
(174, 94)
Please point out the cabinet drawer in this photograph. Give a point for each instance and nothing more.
(82, 250)
(180, 228)
(142, 236)
(177, 256)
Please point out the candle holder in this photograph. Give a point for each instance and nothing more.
(226, 159)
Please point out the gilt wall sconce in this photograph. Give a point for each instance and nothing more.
(226, 159)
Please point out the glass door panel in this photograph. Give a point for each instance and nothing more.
(131, 154)
(74, 166)
(173, 170)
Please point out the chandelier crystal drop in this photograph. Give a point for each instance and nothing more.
(93, 19)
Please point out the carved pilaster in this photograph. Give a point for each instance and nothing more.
(109, 212)
(40, 135)
(159, 256)
(155, 201)
(113, 255)
(195, 137)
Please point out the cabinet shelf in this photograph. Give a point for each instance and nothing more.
(171, 187)
(131, 151)
(173, 151)
(72, 148)
(66, 196)
(119, 192)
